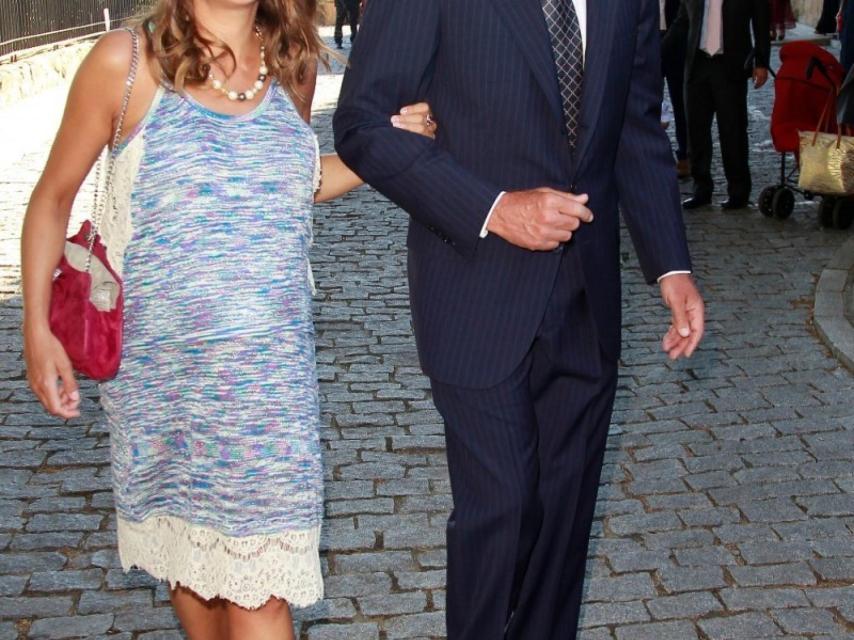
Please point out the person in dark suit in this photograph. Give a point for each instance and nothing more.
(721, 56)
(673, 70)
(346, 11)
(549, 120)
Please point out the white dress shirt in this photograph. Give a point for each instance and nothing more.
(662, 11)
(581, 12)
(712, 37)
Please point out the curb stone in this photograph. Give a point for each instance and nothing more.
(835, 287)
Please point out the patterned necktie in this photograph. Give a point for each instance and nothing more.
(568, 48)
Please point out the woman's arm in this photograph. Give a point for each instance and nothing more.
(337, 179)
(87, 126)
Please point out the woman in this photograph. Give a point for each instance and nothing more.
(782, 18)
(214, 413)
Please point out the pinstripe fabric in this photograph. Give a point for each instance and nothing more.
(525, 457)
(486, 67)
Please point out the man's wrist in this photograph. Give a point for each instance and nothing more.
(485, 229)
(672, 273)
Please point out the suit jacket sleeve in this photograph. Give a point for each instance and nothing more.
(391, 66)
(761, 33)
(645, 171)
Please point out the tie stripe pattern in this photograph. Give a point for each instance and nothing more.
(568, 48)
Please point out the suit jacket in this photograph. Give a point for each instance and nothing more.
(671, 10)
(487, 69)
(746, 25)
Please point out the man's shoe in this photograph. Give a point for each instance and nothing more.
(695, 202)
(683, 168)
(731, 204)
(339, 45)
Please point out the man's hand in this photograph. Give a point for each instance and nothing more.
(760, 77)
(539, 219)
(685, 303)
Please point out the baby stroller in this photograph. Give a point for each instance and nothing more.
(808, 77)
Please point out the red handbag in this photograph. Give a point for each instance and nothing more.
(87, 298)
(86, 306)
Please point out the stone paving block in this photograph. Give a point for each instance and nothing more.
(658, 631)
(150, 620)
(616, 589)
(807, 621)
(71, 627)
(704, 557)
(677, 579)
(774, 552)
(686, 605)
(393, 604)
(66, 580)
(596, 614)
(834, 569)
(412, 626)
(794, 573)
(745, 626)
(113, 601)
(360, 631)
(28, 607)
(743, 598)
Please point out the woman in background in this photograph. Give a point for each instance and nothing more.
(782, 18)
(213, 416)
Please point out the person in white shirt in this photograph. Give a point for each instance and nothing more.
(728, 43)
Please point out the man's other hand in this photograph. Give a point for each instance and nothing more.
(688, 315)
(539, 219)
(760, 77)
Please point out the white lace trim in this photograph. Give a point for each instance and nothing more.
(247, 571)
(117, 225)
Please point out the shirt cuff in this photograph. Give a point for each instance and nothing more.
(484, 232)
(672, 273)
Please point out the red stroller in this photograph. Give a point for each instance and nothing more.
(808, 77)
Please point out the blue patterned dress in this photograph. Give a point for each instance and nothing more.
(214, 414)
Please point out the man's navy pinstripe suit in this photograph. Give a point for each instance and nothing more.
(521, 347)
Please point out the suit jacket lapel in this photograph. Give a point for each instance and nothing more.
(526, 22)
(600, 35)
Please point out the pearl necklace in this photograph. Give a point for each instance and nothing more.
(249, 94)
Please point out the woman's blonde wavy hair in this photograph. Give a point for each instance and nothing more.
(184, 53)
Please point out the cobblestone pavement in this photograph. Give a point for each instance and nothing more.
(727, 505)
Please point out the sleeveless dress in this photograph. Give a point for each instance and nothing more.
(213, 416)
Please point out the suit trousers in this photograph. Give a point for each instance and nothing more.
(346, 11)
(525, 458)
(714, 91)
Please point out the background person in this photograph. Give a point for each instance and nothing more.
(673, 70)
(782, 18)
(346, 11)
(728, 43)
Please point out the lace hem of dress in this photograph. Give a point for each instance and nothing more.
(247, 571)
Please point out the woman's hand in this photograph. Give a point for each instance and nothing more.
(50, 374)
(416, 118)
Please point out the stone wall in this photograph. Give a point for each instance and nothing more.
(34, 74)
(807, 11)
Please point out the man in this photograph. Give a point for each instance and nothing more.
(720, 59)
(346, 10)
(673, 70)
(549, 116)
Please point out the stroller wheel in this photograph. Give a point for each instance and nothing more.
(825, 211)
(783, 203)
(766, 201)
(843, 213)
